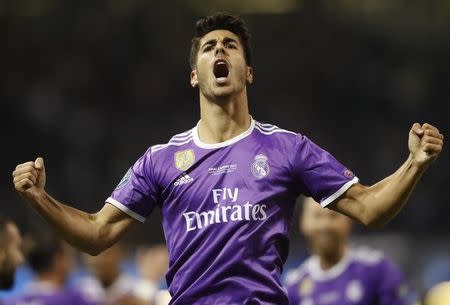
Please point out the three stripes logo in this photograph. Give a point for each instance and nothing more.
(183, 179)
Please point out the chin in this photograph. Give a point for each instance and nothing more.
(222, 92)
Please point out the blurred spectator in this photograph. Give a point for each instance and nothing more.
(10, 252)
(153, 263)
(337, 274)
(109, 285)
(52, 261)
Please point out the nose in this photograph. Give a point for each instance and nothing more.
(220, 49)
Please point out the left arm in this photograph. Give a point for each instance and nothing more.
(377, 204)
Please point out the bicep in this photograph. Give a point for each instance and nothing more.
(351, 203)
(113, 223)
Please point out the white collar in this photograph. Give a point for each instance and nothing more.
(41, 288)
(318, 274)
(237, 138)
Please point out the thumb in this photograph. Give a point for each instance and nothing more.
(417, 129)
(39, 163)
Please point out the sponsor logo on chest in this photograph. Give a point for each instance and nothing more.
(226, 209)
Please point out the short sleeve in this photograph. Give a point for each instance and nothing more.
(137, 193)
(318, 174)
(392, 288)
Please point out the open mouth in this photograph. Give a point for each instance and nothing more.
(221, 70)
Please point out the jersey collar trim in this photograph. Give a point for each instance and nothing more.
(318, 274)
(237, 138)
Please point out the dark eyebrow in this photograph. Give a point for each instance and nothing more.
(228, 40)
(213, 41)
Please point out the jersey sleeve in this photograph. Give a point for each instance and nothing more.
(137, 192)
(392, 287)
(318, 174)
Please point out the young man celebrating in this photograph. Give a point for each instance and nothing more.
(227, 187)
(339, 274)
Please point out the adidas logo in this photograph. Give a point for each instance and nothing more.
(183, 179)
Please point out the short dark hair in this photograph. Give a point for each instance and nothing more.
(221, 21)
(42, 251)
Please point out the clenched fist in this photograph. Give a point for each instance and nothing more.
(29, 178)
(425, 143)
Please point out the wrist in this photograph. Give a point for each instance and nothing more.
(416, 165)
(36, 197)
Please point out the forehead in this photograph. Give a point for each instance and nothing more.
(219, 35)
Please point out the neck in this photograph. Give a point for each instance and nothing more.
(329, 260)
(223, 118)
(53, 279)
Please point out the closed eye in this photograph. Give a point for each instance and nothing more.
(207, 48)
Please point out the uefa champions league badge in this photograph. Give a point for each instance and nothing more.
(126, 178)
(348, 173)
(260, 168)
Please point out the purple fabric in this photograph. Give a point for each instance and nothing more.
(226, 216)
(66, 297)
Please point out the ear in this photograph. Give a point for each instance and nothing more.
(249, 75)
(194, 80)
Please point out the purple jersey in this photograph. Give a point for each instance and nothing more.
(362, 277)
(226, 208)
(41, 293)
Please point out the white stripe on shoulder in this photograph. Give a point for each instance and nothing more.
(267, 127)
(171, 143)
(275, 130)
(183, 135)
(366, 255)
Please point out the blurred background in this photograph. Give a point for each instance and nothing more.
(90, 86)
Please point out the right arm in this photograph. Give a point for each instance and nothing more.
(91, 233)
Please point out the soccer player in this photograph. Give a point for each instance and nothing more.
(226, 188)
(337, 274)
(52, 260)
(11, 255)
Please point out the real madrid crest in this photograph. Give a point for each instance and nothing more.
(184, 159)
(260, 168)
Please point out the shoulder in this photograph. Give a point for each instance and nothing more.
(177, 140)
(294, 276)
(367, 256)
(374, 261)
(280, 137)
(273, 130)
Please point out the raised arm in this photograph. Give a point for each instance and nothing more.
(91, 233)
(377, 204)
